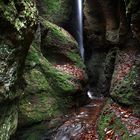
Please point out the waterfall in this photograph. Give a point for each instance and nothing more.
(79, 26)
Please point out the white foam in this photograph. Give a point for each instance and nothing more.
(90, 95)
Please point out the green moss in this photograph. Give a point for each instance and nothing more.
(123, 92)
(39, 107)
(14, 44)
(108, 120)
(59, 81)
(75, 57)
(57, 11)
(8, 120)
(58, 33)
(36, 79)
(32, 56)
(130, 138)
(61, 42)
(24, 18)
(48, 90)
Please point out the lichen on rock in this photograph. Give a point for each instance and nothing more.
(14, 42)
(125, 80)
(47, 88)
(59, 42)
(18, 20)
(116, 122)
(51, 86)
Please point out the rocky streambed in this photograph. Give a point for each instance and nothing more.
(100, 119)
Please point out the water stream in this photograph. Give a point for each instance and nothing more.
(82, 125)
(79, 26)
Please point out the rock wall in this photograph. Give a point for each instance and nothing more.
(54, 75)
(39, 78)
(17, 21)
(55, 78)
(111, 30)
(55, 11)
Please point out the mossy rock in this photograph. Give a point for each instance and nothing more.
(56, 11)
(109, 121)
(16, 24)
(8, 120)
(49, 91)
(25, 9)
(61, 44)
(123, 92)
(18, 20)
(125, 80)
(126, 93)
(42, 130)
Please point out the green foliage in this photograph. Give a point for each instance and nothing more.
(103, 124)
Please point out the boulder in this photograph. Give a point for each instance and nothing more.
(118, 122)
(17, 22)
(125, 81)
(54, 74)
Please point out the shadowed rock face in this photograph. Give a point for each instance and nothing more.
(16, 27)
(104, 20)
(55, 11)
(54, 76)
(14, 45)
(54, 72)
(102, 26)
(107, 26)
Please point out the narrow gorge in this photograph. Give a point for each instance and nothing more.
(70, 70)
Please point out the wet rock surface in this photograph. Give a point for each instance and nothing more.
(81, 126)
(86, 124)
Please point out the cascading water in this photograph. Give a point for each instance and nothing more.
(79, 25)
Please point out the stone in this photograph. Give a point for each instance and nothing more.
(51, 85)
(56, 11)
(125, 80)
(17, 22)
